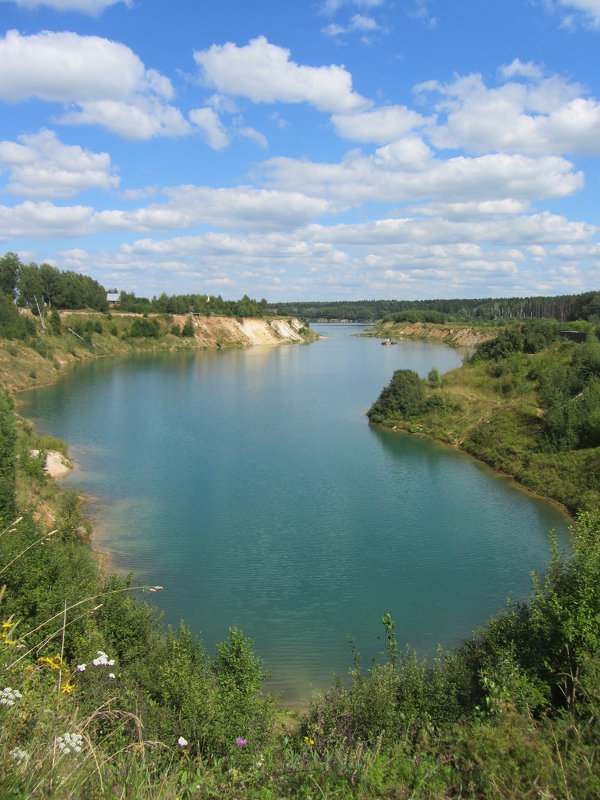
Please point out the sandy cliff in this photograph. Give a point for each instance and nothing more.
(227, 331)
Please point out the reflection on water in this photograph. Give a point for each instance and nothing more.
(250, 484)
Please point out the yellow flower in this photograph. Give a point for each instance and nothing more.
(9, 642)
(54, 663)
(68, 687)
(7, 624)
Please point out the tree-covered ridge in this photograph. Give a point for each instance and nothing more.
(562, 308)
(203, 304)
(45, 287)
(527, 402)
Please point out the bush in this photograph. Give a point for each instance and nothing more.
(144, 328)
(188, 328)
(14, 325)
(8, 459)
(55, 323)
(404, 397)
(434, 377)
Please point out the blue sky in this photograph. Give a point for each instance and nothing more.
(333, 149)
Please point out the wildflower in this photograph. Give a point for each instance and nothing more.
(69, 686)
(81, 667)
(7, 624)
(182, 742)
(54, 663)
(8, 696)
(241, 742)
(19, 755)
(310, 742)
(103, 660)
(70, 743)
(111, 675)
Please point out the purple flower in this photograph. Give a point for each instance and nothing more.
(241, 742)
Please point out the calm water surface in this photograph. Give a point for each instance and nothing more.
(250, 485)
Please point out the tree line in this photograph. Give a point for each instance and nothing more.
(44, 289)
(562, 308)
(204, 304)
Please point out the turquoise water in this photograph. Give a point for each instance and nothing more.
(251, 486)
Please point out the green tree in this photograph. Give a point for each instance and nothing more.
(50, 284)
(55, 322)
(9, 274)
(434, 377)
(8, 458)
(404, 397)
(188, 328)
(236, 664)
(30, 287)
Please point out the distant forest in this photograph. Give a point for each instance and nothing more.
(45, 287)
(563, 308)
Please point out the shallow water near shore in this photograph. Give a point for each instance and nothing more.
(251, 486)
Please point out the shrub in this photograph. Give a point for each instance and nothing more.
(8, 458)
(144, 328)
(41, 348)
(55, 323)
(188, 328)
(434, 377)
(404, 397)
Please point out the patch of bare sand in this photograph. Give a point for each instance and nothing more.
(57, 466)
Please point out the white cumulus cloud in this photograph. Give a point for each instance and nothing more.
(263, 73)
(106, 82)
(529, 113)
(213, 129)
(42, 166)
(379, 125)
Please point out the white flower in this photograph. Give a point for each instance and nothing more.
(111, 674)
(81, 667)
(70, 743)
(182, 742)
(8, 696)
(19, 755)
(102, 660)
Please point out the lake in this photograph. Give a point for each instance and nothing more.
(250, 485)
